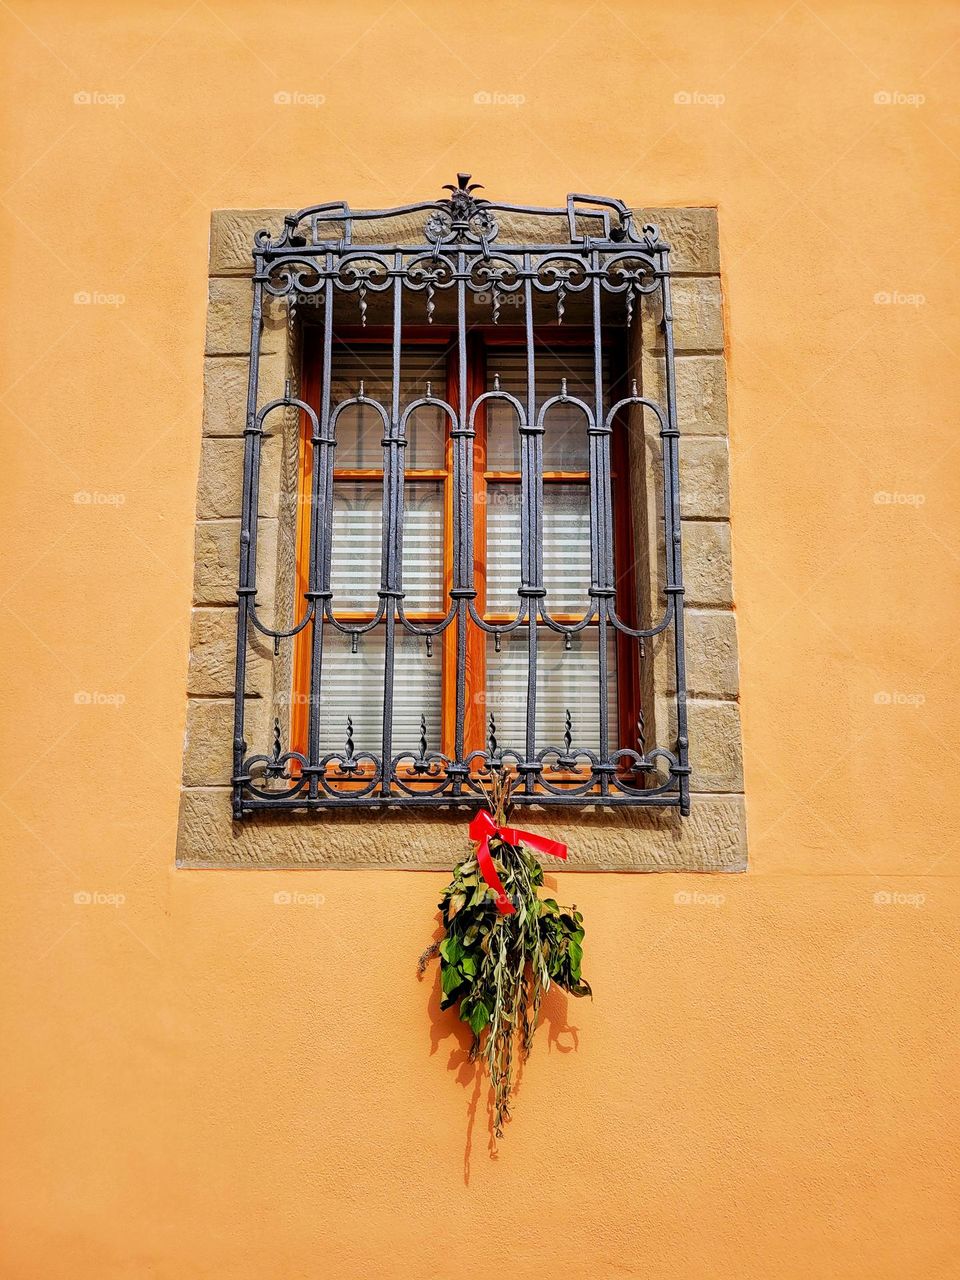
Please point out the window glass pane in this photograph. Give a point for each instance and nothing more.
(423, 545)
(352, 685)
(357, 544)
(503, 548)
(426, 429)
(360, 428)
(566, 679)
(565, 440)
(503, 438)
(566, 547)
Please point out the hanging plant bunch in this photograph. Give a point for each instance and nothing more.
(504, 944)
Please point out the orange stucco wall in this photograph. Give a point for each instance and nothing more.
(199, 1082)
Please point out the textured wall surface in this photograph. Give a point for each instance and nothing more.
(235, 1073)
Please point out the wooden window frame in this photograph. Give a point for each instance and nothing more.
(480, 339)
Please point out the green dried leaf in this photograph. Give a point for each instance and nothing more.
(450, 948)
(480, 894)
(449, 979)
(479, 1017)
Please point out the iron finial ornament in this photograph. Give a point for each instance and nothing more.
(462, 216)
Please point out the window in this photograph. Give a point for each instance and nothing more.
(465, 570)
(497, 661)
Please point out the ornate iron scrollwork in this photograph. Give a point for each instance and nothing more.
(600, 259)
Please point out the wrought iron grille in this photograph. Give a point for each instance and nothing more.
(599, 260)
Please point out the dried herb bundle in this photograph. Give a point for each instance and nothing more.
(498, 967)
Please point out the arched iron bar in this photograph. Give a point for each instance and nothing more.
(349, 279)
(285, 401)
(642, 633)
(492, 628)
(571, 628)
(352, 628)
(608, 273)
(402, 780)
(434, 629)
(648, 764)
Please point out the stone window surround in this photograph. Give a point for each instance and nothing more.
(712, 839)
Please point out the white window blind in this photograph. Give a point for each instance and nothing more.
(565, 440)
(358, 545)
(566, 547)
(360, 427)
(566, 680)
(352, 686)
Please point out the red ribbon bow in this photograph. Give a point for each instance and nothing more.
(482, 828)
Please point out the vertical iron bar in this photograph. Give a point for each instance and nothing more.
(603, 533)
(671, 480)
(531, 522)
(248, 516)
(462, 521)
(321, 530)
(390, 573)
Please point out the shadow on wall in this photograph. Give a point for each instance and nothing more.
(445, 1026)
